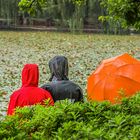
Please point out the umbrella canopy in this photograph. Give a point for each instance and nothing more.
(113, 78)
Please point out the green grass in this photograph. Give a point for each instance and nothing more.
(84, 53)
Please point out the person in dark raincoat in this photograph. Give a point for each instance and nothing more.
(60, 86)
(29, 94)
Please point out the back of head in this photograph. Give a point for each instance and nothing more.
(58, 68)
(30, 75)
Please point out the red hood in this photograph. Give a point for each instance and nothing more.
(30, 75)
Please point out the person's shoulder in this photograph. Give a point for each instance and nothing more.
(76, 86)
(69, 83)
(41, 91)
(72, 83)
(44, 91)
(46, 86)
(15, 93)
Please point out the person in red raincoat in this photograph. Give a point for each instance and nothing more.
(29, 93)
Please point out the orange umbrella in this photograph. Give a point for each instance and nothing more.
(114, 76)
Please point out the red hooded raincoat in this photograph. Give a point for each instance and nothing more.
(29, 93)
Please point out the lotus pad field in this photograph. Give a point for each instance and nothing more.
(84, 53)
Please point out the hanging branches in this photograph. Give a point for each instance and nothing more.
(32, 6)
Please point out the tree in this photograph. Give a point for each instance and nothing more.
(126, 12)
(32, 6)
(66, 13)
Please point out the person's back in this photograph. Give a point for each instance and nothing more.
(60, 86)
(29, 93)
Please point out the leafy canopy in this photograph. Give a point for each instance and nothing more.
(32, 6)
(127, 12)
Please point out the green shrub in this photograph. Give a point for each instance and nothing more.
(66, 121)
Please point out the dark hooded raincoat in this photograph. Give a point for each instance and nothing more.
(29, 93)
(60, 86)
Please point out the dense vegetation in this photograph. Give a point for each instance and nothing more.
(122, 13)
(65, 13)
(71, 15)
(126, 12)
(66, 121)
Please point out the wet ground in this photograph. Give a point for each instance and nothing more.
(84, 53)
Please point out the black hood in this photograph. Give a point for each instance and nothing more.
(58, 68)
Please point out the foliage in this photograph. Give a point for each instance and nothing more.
(126, 12)
(33, 5)
(74, 14)
(8, 12)
(89, 120)
(66, 13)
(71, 15)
